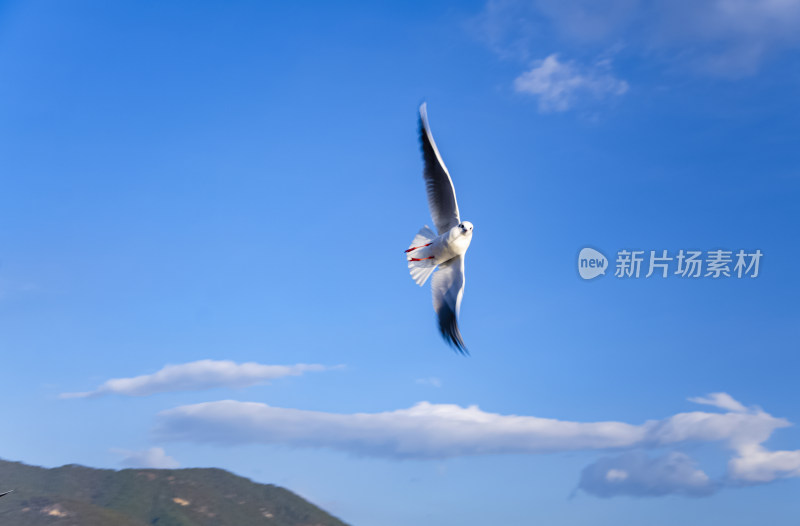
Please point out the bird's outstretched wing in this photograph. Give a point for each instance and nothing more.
(6, 493)
(448, 288)
(441, 194)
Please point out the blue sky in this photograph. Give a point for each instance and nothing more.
(234, 183)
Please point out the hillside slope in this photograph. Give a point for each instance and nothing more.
(80, 496)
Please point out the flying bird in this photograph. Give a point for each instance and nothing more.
(446, 247)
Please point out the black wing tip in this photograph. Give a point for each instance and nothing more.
(448, 327)
(459, 348)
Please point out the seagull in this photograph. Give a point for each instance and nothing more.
(444, 249)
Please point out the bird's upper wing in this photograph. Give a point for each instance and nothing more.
(448, 288)
(6, 493)
(441, 194)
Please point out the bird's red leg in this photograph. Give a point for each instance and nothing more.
(414, 248)
(418, 259)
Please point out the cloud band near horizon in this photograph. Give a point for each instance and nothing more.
(435, 431)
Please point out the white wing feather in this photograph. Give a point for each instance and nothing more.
(441, 193)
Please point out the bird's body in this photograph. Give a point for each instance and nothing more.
(444, 250)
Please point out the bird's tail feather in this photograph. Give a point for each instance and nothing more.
(418, 253)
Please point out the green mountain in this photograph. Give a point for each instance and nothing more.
(80, 496)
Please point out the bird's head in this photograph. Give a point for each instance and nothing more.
(466, 228)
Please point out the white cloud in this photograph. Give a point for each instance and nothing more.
(615, 475)
(155, 457)
(423, 431)
(558, 85)
(506, 28)
(588, 20)
(636, 474)
(729, 38)
(721, 400)
(431, 380)
(432, 431)
(754, 464)
(197, 376)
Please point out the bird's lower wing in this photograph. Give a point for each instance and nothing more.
(448, 288)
